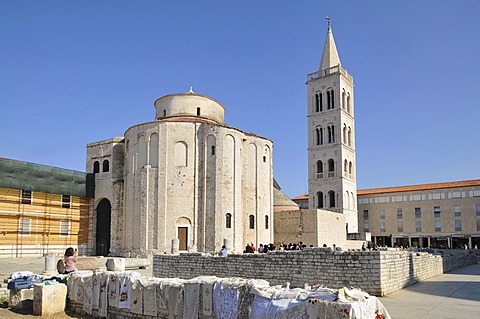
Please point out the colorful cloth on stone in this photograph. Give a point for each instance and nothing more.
(225, 301)
(103, 281)
(138, 287)
(264, 308)
(125, 291)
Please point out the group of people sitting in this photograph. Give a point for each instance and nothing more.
(250, 248)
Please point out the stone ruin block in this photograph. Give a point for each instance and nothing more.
(49, 299)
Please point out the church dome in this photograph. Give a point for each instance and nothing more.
(189, 105)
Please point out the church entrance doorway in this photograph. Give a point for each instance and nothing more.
(183, 237)
(104, 211)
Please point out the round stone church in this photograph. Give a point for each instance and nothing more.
(185, 177)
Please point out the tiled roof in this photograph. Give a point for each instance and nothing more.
(301, 197)
(421, 187)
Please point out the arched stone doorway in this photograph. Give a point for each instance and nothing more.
(183, 232)
(104, 211)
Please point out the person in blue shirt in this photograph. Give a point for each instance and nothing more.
(223, 252)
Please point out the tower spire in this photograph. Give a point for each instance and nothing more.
(330, 56)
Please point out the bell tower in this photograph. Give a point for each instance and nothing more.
(331, 137)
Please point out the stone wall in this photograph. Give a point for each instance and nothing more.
(377, 272)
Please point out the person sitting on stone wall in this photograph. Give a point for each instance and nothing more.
(222, 252)
(70, 259)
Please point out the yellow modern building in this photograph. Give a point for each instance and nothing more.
(42, 209)
(439, 215)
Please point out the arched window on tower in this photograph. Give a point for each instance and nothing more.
(318, 136)
(228, 220)
(319, 200)
(331, 134)
(328, 100)
(347, 200)
(349, 137)
(349, 106)
(320, 100)
(331, 168)
(331, 198)
(332, 97)
(317, 102)
(350, 169)
(344, 134)
(344, 99)
(319, 169)
(251, 222)
(96, 167)
(106, 166)
(345, 167)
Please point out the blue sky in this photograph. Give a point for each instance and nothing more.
(75, 72)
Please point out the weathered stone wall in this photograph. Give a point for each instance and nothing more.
(377, 272)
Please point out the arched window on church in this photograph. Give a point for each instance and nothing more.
(251, 222)
(331, 168)
(228, 220)
(213, 150)
(331, 198)
(319, 169)
(344, 134)
(345, 167)
(106, 166)
(350, 169)
(317, 102)
(319, 200)
(344, 99)
(320, 100)
(164, 113)
(96, 167)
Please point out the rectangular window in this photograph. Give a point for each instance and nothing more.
(26, 197)
(24, 226)
(418, 212)
(366, 227)
(382, 227)
(438, 226)
(477, 209)
(418, 225)
(457, 209)
(382, 214)
(66, 201)
(65, 228)
(400, 226)
(436, 211)
(399, 213)
(365, 214)
(458, 225)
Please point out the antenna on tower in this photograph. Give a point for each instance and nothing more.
(329, 23)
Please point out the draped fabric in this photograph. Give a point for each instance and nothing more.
(212, 297)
